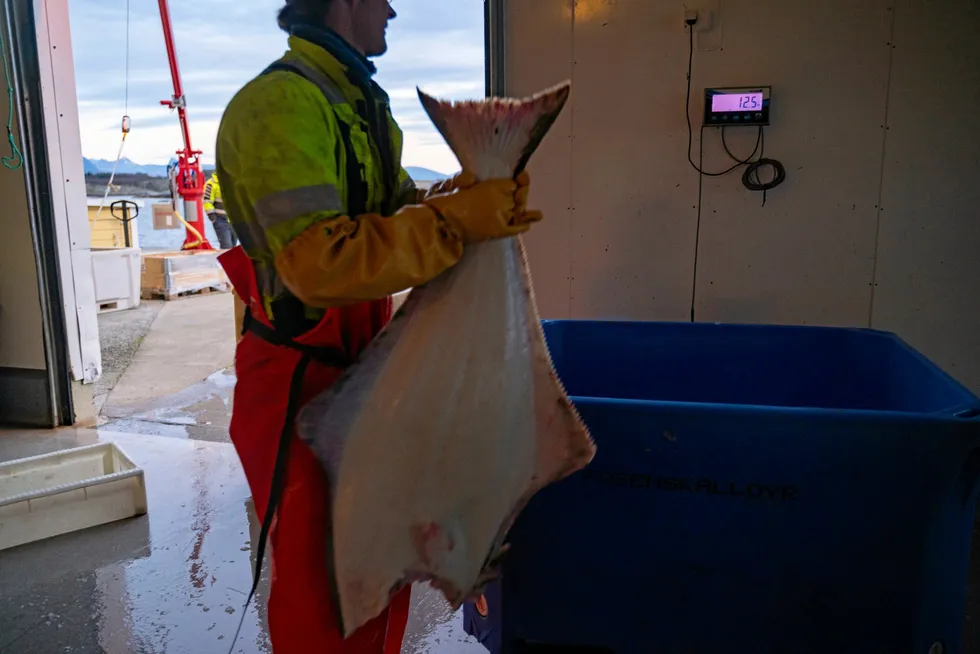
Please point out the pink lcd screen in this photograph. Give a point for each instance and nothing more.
(736, 102)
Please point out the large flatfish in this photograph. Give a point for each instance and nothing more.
(453, 417)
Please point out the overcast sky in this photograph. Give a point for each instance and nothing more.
(221, 44)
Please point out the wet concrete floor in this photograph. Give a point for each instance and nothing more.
(174, 580)
(201, 411)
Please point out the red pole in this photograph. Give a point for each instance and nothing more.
(190, 176)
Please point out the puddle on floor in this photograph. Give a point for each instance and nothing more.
(174, 580)
(201, 411)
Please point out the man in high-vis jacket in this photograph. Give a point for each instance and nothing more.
(214, 207)
(330, 226)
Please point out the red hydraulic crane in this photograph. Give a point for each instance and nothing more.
(190, 175)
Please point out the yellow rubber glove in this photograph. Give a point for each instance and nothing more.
(465, 180)
(459, 180)
(482, 211)
(523, 190)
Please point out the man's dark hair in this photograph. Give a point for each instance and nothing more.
(295, 9)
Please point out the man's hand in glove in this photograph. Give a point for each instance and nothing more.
(481, 211)
(457, 181)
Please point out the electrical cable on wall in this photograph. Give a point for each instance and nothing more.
(750, 178)
(16, 159)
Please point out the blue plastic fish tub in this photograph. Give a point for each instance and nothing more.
(757, 490)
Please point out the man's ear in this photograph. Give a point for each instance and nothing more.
(339, 12)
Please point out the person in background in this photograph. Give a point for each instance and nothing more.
(331, 225)
(214, 207)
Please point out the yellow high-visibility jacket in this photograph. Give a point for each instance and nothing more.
(212, 197)
(287, 179)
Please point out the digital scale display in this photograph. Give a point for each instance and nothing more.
(736, 102)
(737, 106)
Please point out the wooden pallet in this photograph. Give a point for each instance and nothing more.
(174, 275)
(162, 294)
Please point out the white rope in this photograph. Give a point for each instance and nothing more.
(112, 176)
(125, 125)
(127, 57)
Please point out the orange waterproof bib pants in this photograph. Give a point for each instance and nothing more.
(302, 617)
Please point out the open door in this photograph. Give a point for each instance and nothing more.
(63, 316)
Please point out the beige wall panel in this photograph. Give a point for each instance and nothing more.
(633, 217)
(621, 199)
(21, 337)
(807, 256)
(539, 54)
(928, 276)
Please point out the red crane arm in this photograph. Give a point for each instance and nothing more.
(190, 180)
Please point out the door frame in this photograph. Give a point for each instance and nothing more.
(494, 26)
(43, 76)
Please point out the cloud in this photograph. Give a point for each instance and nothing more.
(222, 44)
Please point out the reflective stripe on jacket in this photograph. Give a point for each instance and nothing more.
(282, 163)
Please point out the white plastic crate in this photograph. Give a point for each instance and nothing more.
(116, 273)
(53, 494)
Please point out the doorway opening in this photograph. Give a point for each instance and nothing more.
(162, 378)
